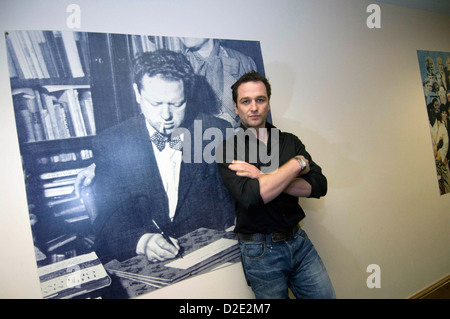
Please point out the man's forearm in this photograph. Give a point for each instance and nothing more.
(298, 188)
(272, 185)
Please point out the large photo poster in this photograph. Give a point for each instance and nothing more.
(435, 72)
(116, 135)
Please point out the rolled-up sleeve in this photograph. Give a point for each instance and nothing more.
(315, 178)
(243, 189)
(318, 182)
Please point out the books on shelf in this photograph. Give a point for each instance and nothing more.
(46, 54)
(61, 174)
(59, 193)
(144, 43)
(59, 185)
(54, 112)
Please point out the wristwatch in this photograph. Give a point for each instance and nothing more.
(302, 162)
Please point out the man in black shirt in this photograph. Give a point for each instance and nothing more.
(266, 170)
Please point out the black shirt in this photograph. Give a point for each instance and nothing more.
(282, 213)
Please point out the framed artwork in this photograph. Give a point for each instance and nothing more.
(112, 215)
(435, 72)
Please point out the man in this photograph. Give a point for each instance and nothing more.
(429, 66)
(143, 184)
(434, 106)
(428, 91)
(440, 74)
(440, 140)
(221, 66)
(276, 253)
(445, 121)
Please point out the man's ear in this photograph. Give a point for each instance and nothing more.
(235, 108)
(137, 93)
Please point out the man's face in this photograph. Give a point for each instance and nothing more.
(194, 43)
(440, 64)
(436, 105)
(252, 105)
(162, 102)
(430, 65)
(428, 87)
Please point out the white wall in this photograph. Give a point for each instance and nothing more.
(352, 94)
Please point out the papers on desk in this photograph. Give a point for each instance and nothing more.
(202, 254)
(73, 277)
(148, 280)
(204, 250)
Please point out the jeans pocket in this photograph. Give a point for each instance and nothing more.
(252, 250)
(301, 233)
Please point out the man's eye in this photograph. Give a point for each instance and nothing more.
(179, 104)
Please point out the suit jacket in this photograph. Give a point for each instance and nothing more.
(129, 191)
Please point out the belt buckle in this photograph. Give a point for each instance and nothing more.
(279, 236)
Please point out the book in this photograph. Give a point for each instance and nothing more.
(54, 112)
(46, 54)
(87, 111)
(29, 116)
(13, 63)
(73, 277)
(73, 56)
(58, 58)
(71, 104)
(20, 54)
(60, 241)
(72, 108)
(62, 173)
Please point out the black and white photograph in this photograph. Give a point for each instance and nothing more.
(122, 195)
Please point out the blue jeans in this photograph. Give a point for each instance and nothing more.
(271, 267)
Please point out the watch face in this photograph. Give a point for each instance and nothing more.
(302, 163)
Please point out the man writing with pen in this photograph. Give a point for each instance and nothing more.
(147, 195)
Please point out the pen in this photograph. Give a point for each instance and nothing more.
(167, 238)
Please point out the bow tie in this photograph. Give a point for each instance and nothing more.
(160, 141)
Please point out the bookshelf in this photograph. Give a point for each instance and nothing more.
(54, 110)
(66, 87)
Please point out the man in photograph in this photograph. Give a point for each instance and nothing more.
(221, 67)
(143, 184)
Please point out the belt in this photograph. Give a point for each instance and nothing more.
(275, 236)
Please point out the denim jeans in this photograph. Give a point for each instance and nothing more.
(272, 267)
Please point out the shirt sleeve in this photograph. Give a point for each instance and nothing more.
(318, 181)
(243, 189)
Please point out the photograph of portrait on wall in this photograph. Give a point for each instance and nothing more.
(435, 72)
(116, 135)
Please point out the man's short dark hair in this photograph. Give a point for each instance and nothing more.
(169, 64)
(252, 76)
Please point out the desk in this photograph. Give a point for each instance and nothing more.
(138, 276)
